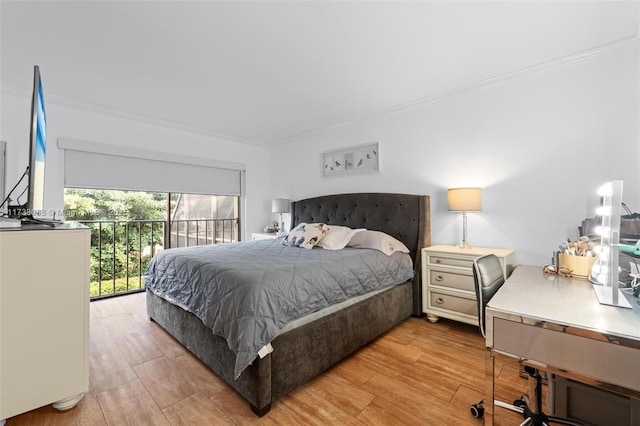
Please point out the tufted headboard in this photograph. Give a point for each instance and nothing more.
(406, 217)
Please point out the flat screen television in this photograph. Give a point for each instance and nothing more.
(37, 154)
(38, 149)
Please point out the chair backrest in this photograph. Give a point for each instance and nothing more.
(488, 278)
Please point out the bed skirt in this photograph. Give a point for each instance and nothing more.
(299, 354)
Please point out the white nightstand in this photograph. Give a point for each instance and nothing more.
(263, 235)
(447, 281)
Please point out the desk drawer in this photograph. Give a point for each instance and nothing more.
(452, 280)
(448, 261)
(598, 359)
(453, 303)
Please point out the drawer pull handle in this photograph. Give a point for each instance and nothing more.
(439, 300)
(438, 261)
(439, 278)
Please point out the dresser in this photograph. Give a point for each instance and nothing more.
(447, 281)
(44, 317)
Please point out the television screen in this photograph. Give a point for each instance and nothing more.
(35, 202)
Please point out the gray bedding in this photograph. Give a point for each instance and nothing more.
(247, 292)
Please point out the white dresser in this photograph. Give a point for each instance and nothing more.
(44, 318)
(447, 281)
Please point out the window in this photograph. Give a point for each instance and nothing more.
(130, 227)
(191, 219)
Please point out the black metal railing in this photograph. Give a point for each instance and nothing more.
(122, 249)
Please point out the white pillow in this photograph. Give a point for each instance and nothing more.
(337, 237)
(306, 235)
(379, 241)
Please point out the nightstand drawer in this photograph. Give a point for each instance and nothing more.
(451, 280)
(453, 303)
(451, 261)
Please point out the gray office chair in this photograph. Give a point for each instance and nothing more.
(488, 278)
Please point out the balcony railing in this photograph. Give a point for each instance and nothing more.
(122, 249)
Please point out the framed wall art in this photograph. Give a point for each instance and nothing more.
(354, 159)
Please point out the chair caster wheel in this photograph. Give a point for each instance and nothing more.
(477, 410)
(520, 403)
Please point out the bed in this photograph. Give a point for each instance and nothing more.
(302, 352)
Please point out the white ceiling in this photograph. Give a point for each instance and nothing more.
(262, 72)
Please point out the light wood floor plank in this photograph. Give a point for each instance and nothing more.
(130, 404)
(119, 325)
(306, 409)
(380, 362)
(237, 409)
(456, 373)
(165, 382)
(422, 377)
(201, 375)
(348, 397)
(401, 352)
(106, 308)
(133, 305)
(352, 370)
(381, 412)
(138, 348)
(109, 368)
(196, 409)
(170, 346)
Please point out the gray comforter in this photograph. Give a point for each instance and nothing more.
(247, 292)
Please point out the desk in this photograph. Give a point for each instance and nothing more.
(557, 324)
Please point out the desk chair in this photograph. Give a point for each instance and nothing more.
(488, 278)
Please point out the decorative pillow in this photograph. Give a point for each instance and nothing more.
(338, 237)
(306, 235)
(379, 241)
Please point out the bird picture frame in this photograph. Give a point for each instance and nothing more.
(354, 159)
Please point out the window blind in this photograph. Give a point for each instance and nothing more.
(102, 166)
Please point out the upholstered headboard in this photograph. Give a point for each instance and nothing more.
(406, 217)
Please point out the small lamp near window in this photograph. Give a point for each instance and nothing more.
(281, 205)
(464, 200)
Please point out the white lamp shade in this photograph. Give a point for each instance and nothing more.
(465, 199)
(280, 205)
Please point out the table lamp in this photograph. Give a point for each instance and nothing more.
(464, 200)
(281, 205)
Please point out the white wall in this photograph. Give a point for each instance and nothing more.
(540, 145)
(76, 123)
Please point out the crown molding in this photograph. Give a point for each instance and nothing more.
(624, 45)
(75, 104)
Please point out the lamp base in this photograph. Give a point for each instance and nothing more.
(605, 297)
(280, 232)
(464, 245)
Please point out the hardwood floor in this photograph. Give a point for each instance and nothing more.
(418, 373)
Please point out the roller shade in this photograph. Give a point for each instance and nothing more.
(101, 166)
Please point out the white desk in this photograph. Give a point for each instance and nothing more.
(558, 324)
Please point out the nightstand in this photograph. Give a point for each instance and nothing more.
(263, 235)
(448, 290)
